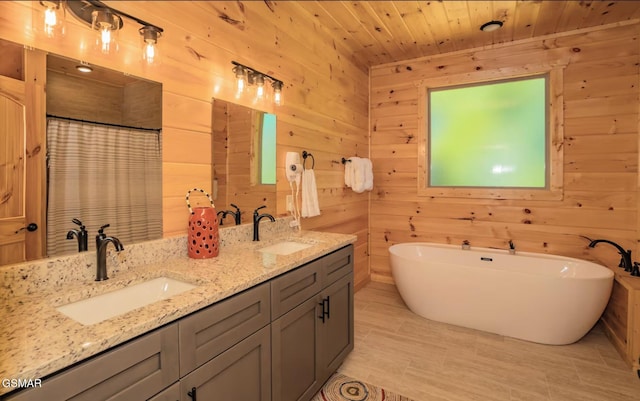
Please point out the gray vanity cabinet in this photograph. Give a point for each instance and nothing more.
(279, 340)
(311, 339)
(134, 371)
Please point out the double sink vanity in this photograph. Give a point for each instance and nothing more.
(268, 320)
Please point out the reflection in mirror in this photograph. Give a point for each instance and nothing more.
(244, 160)
(104, 153)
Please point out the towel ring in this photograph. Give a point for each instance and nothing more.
(306, 154)
(344, 161)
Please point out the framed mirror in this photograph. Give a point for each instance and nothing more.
(244, 160)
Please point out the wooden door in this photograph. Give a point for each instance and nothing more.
(22, 158)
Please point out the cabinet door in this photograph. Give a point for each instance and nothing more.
(294, 349)
(336, 340)
(133, 371)
(240, 374)
(207, 333)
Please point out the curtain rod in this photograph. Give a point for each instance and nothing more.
(107, 124)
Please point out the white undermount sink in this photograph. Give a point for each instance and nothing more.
(104, 306)
(285, 248)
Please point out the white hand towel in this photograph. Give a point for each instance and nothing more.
(348, 173)
(368, 174)
(310, 207)
(357, 180)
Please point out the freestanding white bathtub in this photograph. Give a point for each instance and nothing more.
(536, 297)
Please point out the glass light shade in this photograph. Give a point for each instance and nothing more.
(53, 18)
(277, 93)
(259, 80)
(107, 24)
(241, 79)
(150, 53)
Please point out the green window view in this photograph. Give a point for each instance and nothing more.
(489, 135)
(268, 149)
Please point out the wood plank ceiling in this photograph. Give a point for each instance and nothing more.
(379, 32)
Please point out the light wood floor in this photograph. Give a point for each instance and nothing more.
(427, 360)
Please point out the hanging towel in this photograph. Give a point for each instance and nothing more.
(360, 175)
(310, 207)
(368, 174)
(348, 173)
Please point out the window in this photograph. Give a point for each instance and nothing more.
(492, 139)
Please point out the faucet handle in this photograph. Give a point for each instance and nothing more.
(236, 207)
(258, 208)
(101, 229)
(78, 222)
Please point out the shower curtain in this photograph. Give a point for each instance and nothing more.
(102, 174)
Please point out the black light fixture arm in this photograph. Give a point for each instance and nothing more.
(254, 71)
(100, 5)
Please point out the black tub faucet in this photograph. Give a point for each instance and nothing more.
(102, 240)
(81, 236)
(256, 222)
(625, 260)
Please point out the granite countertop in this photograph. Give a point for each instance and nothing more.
(37, 340)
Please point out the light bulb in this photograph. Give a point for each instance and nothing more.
(50, 21)
(105, 39)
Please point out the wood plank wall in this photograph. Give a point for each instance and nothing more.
(600, 153)
(325, 92)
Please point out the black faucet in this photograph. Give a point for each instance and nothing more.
(256, 222)
(512, 248)
(625, 260)
(224, 214)
(81, 235)
(237, 215)
(102, 240)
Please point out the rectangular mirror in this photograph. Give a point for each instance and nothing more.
(244, 160)
(104, 155)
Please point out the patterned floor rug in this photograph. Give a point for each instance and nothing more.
(343, 388)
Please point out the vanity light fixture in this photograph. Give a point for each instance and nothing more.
(247, 76)
(107, 21)
(53, 19)
(491, 26)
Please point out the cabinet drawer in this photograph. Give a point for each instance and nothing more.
(337, 264)
(295, 287)
(134, 371)
(209, 332)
